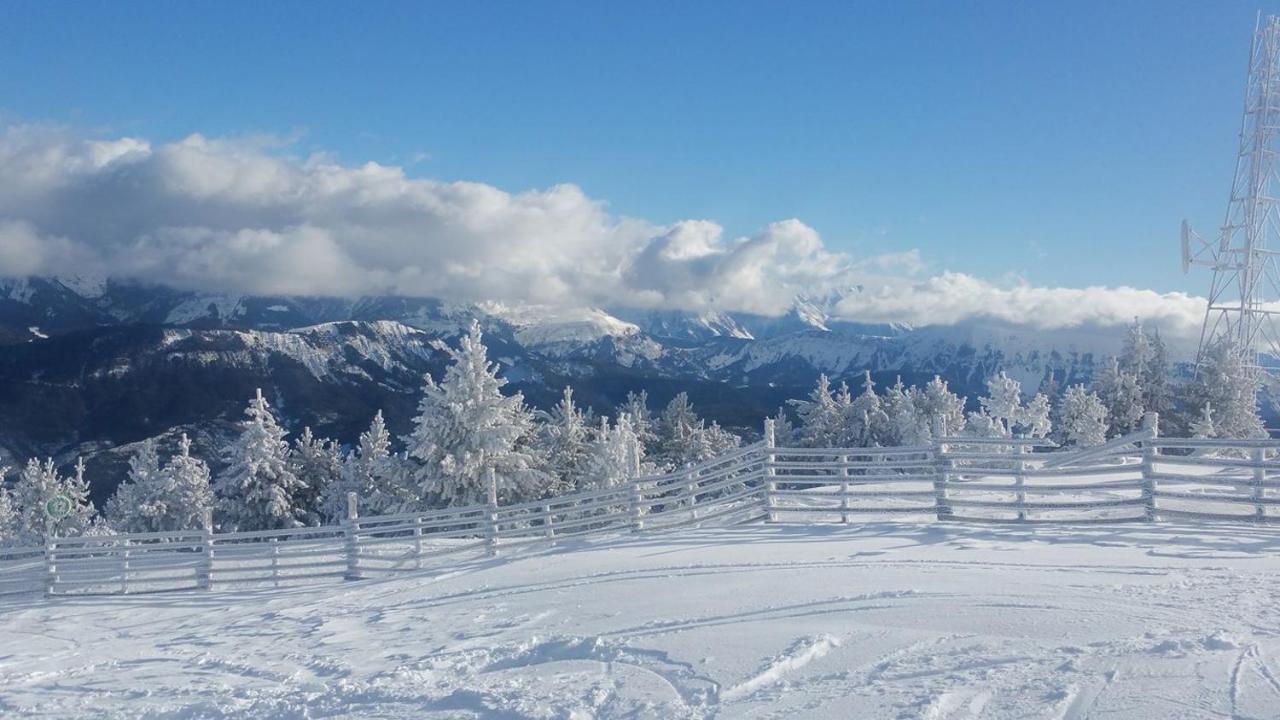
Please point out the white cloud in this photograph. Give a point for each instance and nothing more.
(241, 215)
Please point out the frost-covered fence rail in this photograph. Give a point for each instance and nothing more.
(1139, 477)
(22, 570)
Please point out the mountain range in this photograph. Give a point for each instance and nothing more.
(89, 367)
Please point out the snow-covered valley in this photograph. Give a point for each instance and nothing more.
(895, 620)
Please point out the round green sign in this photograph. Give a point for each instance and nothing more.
(58, 506)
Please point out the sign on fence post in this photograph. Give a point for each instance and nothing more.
(1150, 423)
(770, 487)
(351, 526)
(491, 532)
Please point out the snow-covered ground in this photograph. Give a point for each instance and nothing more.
(886, 620)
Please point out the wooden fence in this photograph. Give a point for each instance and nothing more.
(1140, 477)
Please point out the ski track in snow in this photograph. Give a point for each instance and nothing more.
(897, 620)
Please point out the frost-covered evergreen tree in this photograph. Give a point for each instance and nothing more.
(1002, 407)
(821, 420)
(1229, 386)
(685, 439)
(982, 424)
(190, 486)
(465, 426)
(159, 499)
(1049, 387)
(139, 502)
(613, 454)
(1202, 427)
(8, 513)
(565, 441)
(904, 424)
(1122, 394)
(257, 490)
(642, 421)
(1035, 421)
(936, 403)
(865, 422)
(785, 433)
(374, 474)
(1157, 393)
(1003, 401)
(317, 462)
(37, 484)
(1082, 417)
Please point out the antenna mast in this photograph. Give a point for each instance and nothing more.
(1245, 271)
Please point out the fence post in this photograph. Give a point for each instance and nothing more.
(637, 498)
(417, 542)
(350, 526)
(941, 506)
(1258, 455)
(1020, 481)
(491, 531)
(690, 484)
(50, 564)
(204, 571)
(1150, 423)
(546, 521)
(275, 561)
(124, 567)
(770, 486)
(844, 489)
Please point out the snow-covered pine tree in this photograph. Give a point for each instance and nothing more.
(371, 471)
(1136, 355)
(936, 403)
(718, 440)
(613, 454)
(685, 439)
(1082, 417)
(317, 462)
(1157, 393)
(41, 482)
(1003, 406)
(1121, 393)
(865, 421)
(1049, 387)
(257, 489)
(139, 502)
(785, 433)
(1003, 402)
(982, 424)
(1034, 421)
(189, 487)
(637, 408)
(1202, 427)
(465, 425)
(1230, 387)
(565, 442)
(821, 421)
(8, 513)
(903, 424)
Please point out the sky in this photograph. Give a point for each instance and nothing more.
(700, 155)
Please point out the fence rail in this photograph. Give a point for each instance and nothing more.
(1138, 477)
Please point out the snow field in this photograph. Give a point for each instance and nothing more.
(895, 620)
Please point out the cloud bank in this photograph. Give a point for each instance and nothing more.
(245, 216)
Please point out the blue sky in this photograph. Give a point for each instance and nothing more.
(1061, 142)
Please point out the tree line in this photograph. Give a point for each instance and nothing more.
(467, 428)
